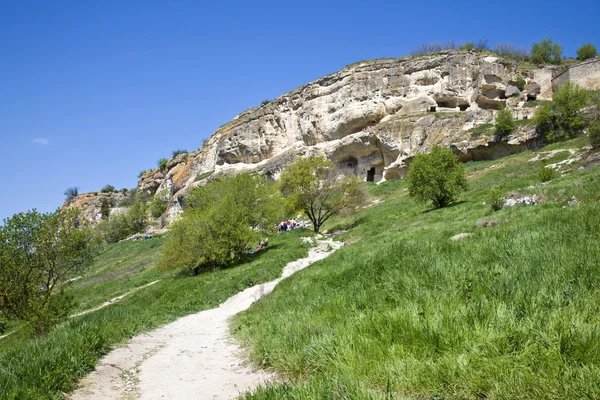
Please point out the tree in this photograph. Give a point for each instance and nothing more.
(594, 133)
(162, 164)
(586, 51)
(315, 186)
(104, 208)
(219, 221)
(159, 203)
(546, 52)
(122, 225)
(505, 122)
(437, 177)
(562, 118)
(38, 253)
(71, 193)
(107, 189)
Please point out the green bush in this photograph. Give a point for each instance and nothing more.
(546, 52)
(505, 122)
(120, 226)
(162, 164)
(107, 189)
(467, 46)
(265, 102)
(495, 198)
(586, 51)
(104, 208)
(521, 82)
(180, 151)
(562, 118)
(141, 173)
(71, 192)
(159, 203)
(204, 175)
(437, 177)
(546, 174)
(594, 134)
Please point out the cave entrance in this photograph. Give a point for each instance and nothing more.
(371, 175)
(432, 109)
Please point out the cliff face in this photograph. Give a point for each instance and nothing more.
(371, 117)
(90, 204)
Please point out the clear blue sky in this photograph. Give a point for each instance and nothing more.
(92, 92)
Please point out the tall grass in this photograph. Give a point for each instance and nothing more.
(510, 312)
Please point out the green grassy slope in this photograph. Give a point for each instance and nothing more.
(43, 369)
(404, 312)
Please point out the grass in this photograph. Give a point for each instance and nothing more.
(405, 313)
(482, 129)
(205, 175)
(46, 368)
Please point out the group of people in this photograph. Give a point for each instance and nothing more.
(289, 225)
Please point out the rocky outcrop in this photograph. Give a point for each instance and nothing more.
(90, 204)
(370, 119)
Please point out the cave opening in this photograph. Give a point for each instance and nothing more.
(371, 175)
(463, 107)
(432, 109)
(446, 103)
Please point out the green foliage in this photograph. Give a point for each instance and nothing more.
(71, 192)
(521, 82)
(594, 133)
(107, 189)
(437, 177)
(204, 175)
(141, 173)
(159, 203)
(546, 52)
(562, 118)
(313, 185)
(38, 252)
(219, 221)
(505, 123)
(546, 174)
(495, 197)
(162, 164)
(467, 46)
(180, 151)
(105, 208)
(481, 129)
(265, 102)
(122, 225)
(586, 51)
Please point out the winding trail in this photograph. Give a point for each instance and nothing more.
(193, 357)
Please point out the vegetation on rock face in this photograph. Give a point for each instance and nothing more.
(105, 208)
(220, 220)
(159, 203)
(178, 152)
(162, 164)
(204, 175)
(505, 123)
(546, 52)
(521, 82)
(107, 189)
(586, 51)
(141, 173)
(437, 177)
(38, 253)
(314, 186)
(131, 221)
(71, 192)
(562, 117)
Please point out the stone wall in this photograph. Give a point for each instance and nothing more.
(585, 74)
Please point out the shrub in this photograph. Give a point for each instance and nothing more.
(467, 46)
(265, 102)
(204, 175)
(495, 198)
(546, 174)
(124, 190)
(546, 52)
(107, 189)
(594, 134)
(505, 122)
(159, 203)
(120, 226)
(71, 192)
(427, 48)
(437, 177)
(586, 51)
(521, 82)
(180, 151)
(511, 51)
(104, 208)
(141, 173)
(162, 164)
(561, 118)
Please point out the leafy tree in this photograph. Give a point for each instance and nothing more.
(220, 219)
(122, 225)
(71, 192)
(315, 186)
(437, 177)
(162, 164)
(39, 252)
(586, 51)
(562, 118)
(159, 203)
(107, 189)
(505, 122)
(546, 52)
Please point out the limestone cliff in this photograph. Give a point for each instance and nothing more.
(371, 117)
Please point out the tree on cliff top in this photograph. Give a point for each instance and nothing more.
(586, 51)
(546, 52)
(71, 192)
(313, 185)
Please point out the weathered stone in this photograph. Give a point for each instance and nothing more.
(512, 91)
(90, 204)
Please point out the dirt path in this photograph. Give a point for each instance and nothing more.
(191, 358)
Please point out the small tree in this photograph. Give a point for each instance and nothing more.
(159, 203)
(594, 134)
(313, 185)
(505, 122)
(39, 252)
(586, 51)
(162, 164)
(107, 189)
(71, 192)
(437, 177)
(546, 52)
(495, 198)
(562, 118)
(104, 208)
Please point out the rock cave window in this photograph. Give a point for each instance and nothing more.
(371, 175)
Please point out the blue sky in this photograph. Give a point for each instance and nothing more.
(92, 92)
